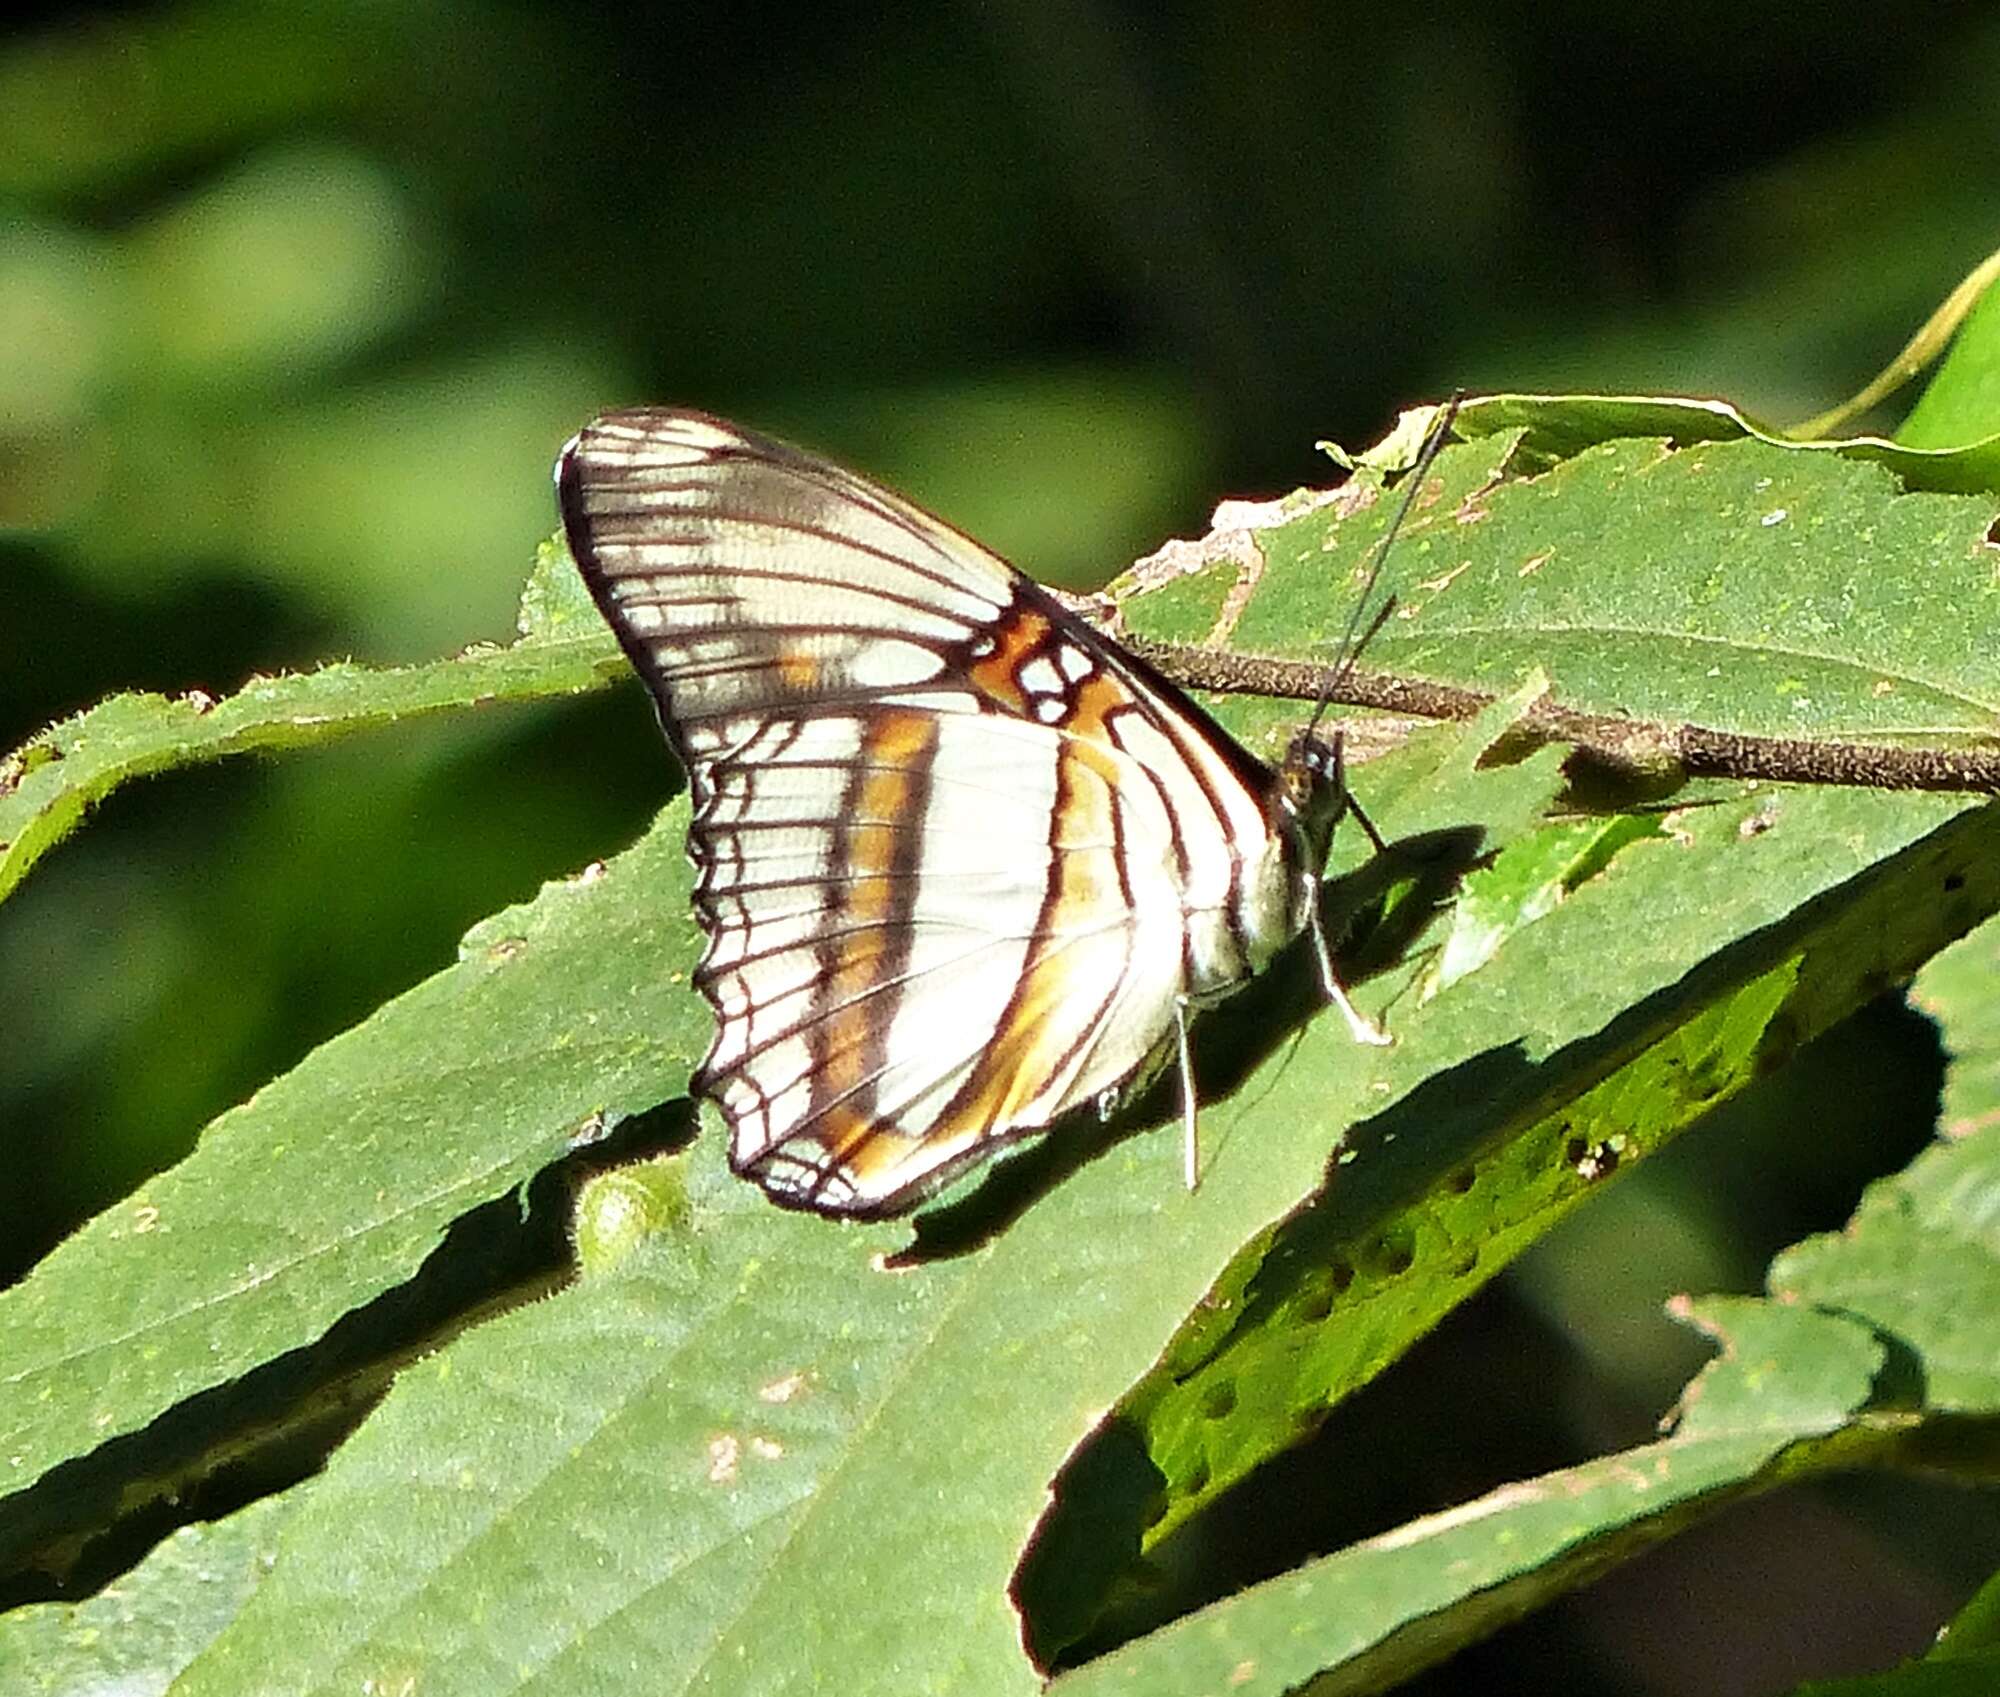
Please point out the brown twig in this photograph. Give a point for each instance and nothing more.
(1642, 744)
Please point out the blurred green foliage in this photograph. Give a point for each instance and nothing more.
(297, 301)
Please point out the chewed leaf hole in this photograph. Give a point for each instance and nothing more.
(1315, 1305)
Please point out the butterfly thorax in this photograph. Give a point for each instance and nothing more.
(1277, 877)
(1226, 946)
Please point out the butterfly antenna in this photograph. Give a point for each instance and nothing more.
(1356, 636)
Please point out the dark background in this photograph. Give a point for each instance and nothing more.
(297, 302)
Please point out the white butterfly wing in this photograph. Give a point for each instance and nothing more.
(948, 841)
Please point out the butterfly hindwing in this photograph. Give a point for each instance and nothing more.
(864, 970)
(959, 859)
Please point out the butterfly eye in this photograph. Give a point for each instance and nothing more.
(1311, 763)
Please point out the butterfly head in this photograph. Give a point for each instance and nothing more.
(1310, 797)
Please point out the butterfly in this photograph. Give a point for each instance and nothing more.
(962, 861)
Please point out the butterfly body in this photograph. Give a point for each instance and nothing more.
(963, 863)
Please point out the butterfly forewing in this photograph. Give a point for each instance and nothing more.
(960, 860)
(746, 579)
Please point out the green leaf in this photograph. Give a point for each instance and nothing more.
(1975, 1629)
(1559, 427)
(1815, 1378)
(1531, 1095)
(48, 784)
(1976, 1676)
(1536, 1090)
(1381, 1611)
(1962, 400)
(554, 602)
(335, 1181)
(1736, 585)
(1523, 884)
(1956, 990)
(134, 1637)
(578, 1488)
(773, 1384)
(1921, 1258)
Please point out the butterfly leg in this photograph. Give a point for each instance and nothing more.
(1190, 1145)
(1347, 802)
(1367, 827)
(1364, 1029)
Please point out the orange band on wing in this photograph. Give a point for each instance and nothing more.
(897, 753)
(1091, 704)
(1015, 642)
